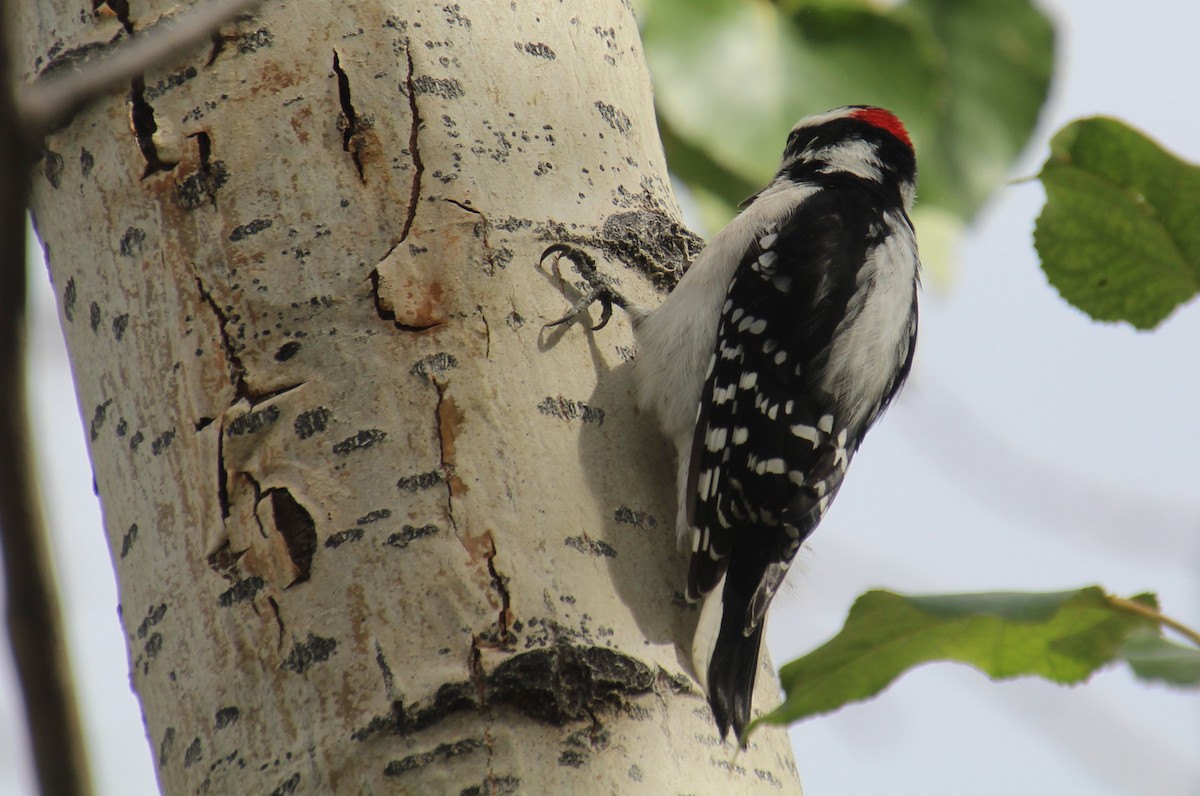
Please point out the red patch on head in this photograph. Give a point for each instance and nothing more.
(884, 120)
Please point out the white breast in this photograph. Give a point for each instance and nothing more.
(869, 346)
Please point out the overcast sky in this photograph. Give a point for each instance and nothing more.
(1033, 450)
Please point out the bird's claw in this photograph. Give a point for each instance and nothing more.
(601, 290)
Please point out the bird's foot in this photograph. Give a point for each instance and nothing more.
(600, 287)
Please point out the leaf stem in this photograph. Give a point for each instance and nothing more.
(1144, 610)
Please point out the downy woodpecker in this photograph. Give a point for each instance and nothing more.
(765, 366)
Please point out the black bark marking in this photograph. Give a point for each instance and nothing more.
(616, 118)
(389, 680)
(254, 40)
(567, 409)
(439, 754)
(171, 81)
(94, 316)
(433, 365)
(410, 533)
(494, 786)
(192, 754)
(352, 141)
(162, 442)
(252, 422)
(98, 417)
(536, 49)
(288, 786)
(414, 483)
(296, 526)
(241, 591)
(132, 242)
(635, 517)
(119, 325)
(69, 300)
(251, 228)
(166, 746)
(341, 537)
(647, 240)
(306, 654)
(86, 162)
(374, 516)
(311, 422)
(361, 441)
(572, 758)
(589, 546)
(454, 16)
(287, 351)
(226, 716)
(446, 88)
(154, 615)
(558, 685)
(52, 167)
(128, 539)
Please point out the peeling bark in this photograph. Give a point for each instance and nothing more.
(367, 538)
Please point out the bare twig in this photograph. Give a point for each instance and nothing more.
(54, 98)
(1144, 610)
(34, 625)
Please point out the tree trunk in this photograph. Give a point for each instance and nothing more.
(374, 529)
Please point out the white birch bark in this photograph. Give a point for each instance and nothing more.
(374, 529)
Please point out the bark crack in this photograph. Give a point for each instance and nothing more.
(479, 681)
(119, 9)
(386, 313)
(222, 476)
(141, 115)
(278, 618)
(464, 206)
(413, 148)
(237, 368)
(482, 231)
(351, 127)
(445, 467)
(499, 583)
(237, 371)
(202, 186)
(487, 333)
(295, 524)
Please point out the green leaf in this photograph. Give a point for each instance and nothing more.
(1155, 659)
(733, 76)
(1119, 236)
(1063, 637)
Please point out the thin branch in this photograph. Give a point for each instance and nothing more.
(49, 101)
(35, 630)
(1135, 607)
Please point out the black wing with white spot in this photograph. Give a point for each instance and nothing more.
(769, 453)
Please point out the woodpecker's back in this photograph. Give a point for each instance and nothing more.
(766, 365)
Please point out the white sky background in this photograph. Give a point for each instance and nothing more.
(1033, 450)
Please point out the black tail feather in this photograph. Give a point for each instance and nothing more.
(734, 664)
